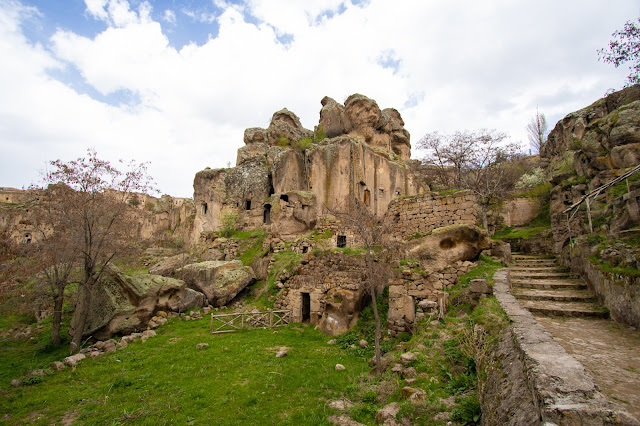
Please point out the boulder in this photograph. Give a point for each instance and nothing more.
(450, 244)
(341, 311)
(340, 367)
(57, 365)
(121, 304)
(72, 360)
(219, 281)
(167, 267)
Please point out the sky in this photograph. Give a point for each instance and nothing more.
(176, 82)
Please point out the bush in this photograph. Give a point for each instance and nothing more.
(529, 180)
(467, 411)
(229, 224)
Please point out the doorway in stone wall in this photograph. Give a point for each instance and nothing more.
(306, 307)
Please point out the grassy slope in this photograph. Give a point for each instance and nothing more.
(237, 380)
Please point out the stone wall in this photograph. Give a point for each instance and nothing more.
(333, 285)
(519, 210)
(421, 214)
(408, 291)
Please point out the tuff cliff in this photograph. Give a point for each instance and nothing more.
(287, 176)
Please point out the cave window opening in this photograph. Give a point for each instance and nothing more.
(205, 207)
(367, 197)
(247, 204)
(306, 307)
(305, 249)
(27, 238)
(341, 242)
(285, 198)
(381, 192)
(267, 214)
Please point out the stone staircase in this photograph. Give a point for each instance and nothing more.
(545, 288)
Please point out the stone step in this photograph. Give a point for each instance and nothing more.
(517, 256)
(560, 295)
(535, 260)
(535, 263)
(541, 275)
(537, 269)
(549, 284)
(566, 309)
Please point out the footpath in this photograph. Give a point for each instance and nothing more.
(562, 304)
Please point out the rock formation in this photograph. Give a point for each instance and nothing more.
(286, 175)
(121, 304)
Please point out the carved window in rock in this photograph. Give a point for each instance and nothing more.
(205, 208)
(247, 204)
(341, 241)
(367, 197)
(27, 238)
(285, 198)
(305, 249)
(267, 214)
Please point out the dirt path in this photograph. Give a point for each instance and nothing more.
(610, 352)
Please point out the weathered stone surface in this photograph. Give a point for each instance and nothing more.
(340, 367)
(72, 360)
(388, 412)
(121, 304)
(448, 245)
(202, 345)
(219, 281)
(57, 365)
(285, 127)
(167, 267)
(480, 286)
(331, 117)
(281, 354)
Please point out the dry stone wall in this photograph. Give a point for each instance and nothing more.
(421, 214)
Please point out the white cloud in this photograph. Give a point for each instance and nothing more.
(443, 66)
(169, 16)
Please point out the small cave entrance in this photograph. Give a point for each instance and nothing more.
(266, 219)
(27, 238)
(341, 241)
(306, 307)
(205, 208)
(247, 204)
(367, 197)
(305, 249)
(285, 198)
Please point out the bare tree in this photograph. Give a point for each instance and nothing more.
(537, 131)
(479, 161)
(370, 231)
(89, 205)
(626, 48)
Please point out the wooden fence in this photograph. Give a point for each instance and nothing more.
(228, 323)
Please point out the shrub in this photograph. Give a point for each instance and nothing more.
(529, 180)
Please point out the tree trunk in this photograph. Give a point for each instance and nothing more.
(80, 317)
(485, 220)
(57, 318)
(377, 335)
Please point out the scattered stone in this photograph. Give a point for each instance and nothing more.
(16, 383)
(343, 421)
(332, 342)
(72, 360)
(409, 372)
(397, 368)
(187, 318)
(202, 345)
(162, 314)
(340, 405)
(148, 334)
(407, 357)
(340, 367)
(281, 354)
(410, 381)
(57, 365)
(40, 372)
(122, 344)
(363, 343)
(207, 310)
(109, 346)
(388, 412)
(94, 354)
(413, 394)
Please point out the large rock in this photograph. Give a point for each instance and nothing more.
(341, 311)
(167, 267)
(447, 245)
(331, 117)
(220, 281)
(285, 127)
(121, 304)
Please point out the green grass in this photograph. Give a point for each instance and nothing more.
(251, 247)
(283, 260)
(237, 380)
(510, 233)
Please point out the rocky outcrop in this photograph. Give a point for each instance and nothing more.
(121, 304)
(362, 118)
(219, 281)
